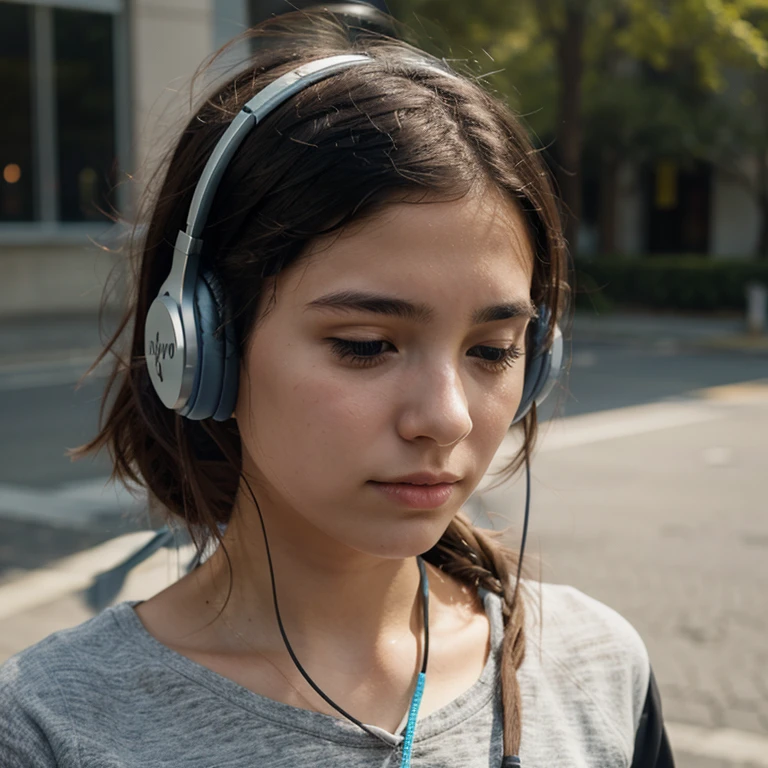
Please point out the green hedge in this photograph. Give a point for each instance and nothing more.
(669, 282)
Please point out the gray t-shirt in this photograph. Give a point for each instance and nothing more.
(106, 694)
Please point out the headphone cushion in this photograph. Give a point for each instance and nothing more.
(231, 361)
(538, 363)
(536, 377)
(206, 393)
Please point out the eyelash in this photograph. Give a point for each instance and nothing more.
(355, 353)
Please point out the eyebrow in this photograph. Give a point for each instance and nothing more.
(358, 301)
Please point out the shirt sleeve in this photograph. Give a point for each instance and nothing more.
(30, 709)
(652, 748)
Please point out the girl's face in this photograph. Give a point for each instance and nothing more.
(396, 349)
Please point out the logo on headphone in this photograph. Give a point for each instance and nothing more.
(159, 351)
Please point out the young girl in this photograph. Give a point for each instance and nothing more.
(348, 291)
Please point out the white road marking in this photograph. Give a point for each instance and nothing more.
(727, 744)
(73, 505)
(623, 422)
(586, 358)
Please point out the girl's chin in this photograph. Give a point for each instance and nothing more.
(405, 538)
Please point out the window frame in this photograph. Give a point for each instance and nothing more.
(47, 228)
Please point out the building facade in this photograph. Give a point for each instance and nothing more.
(667, 209)
(97, 89)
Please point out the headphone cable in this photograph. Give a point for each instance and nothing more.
(525, 526)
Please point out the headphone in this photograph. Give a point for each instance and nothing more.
(193, 367)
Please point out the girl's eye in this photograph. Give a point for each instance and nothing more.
(361, 353)
(497, 358)
(367, 353)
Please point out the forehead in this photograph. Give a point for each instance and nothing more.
(470, 250)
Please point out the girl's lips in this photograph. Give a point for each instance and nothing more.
(416, 496)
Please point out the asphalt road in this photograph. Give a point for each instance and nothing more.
(50, 506)
(41, 421)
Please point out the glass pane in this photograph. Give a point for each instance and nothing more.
(16, 176)
(85, 114)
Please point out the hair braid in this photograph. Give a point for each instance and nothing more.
(476, 558)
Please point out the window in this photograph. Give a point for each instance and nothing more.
(85, 97)
(16, 188)
(58, 139)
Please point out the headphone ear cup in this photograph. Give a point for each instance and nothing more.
(209, 374)
(534, 368)
(543, 364)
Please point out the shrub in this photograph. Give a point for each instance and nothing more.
(688, 283)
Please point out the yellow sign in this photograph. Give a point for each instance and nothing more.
(666, 185)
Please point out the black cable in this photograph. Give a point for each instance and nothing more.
(510, 761)
(425, 601)
(525, 525)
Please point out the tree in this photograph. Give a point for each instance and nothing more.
(743, 128)
(564, 23)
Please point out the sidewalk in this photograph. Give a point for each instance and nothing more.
(49, 599)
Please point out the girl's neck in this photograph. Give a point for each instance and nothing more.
(324, 594)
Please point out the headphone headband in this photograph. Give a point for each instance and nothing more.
(252, 113)
(170, 338)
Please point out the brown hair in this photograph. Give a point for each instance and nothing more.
(338, 151)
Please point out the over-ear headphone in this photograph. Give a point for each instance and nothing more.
(193, 366)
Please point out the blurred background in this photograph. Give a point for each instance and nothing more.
(647, 491)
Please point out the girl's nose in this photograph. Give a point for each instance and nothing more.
(436, 408)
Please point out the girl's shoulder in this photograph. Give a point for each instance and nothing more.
(567, 620)
(41, 688)
(44, 669)
(100, 638)
(586, 663)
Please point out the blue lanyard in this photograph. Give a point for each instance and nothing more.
(412, 715)
(413, 712)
